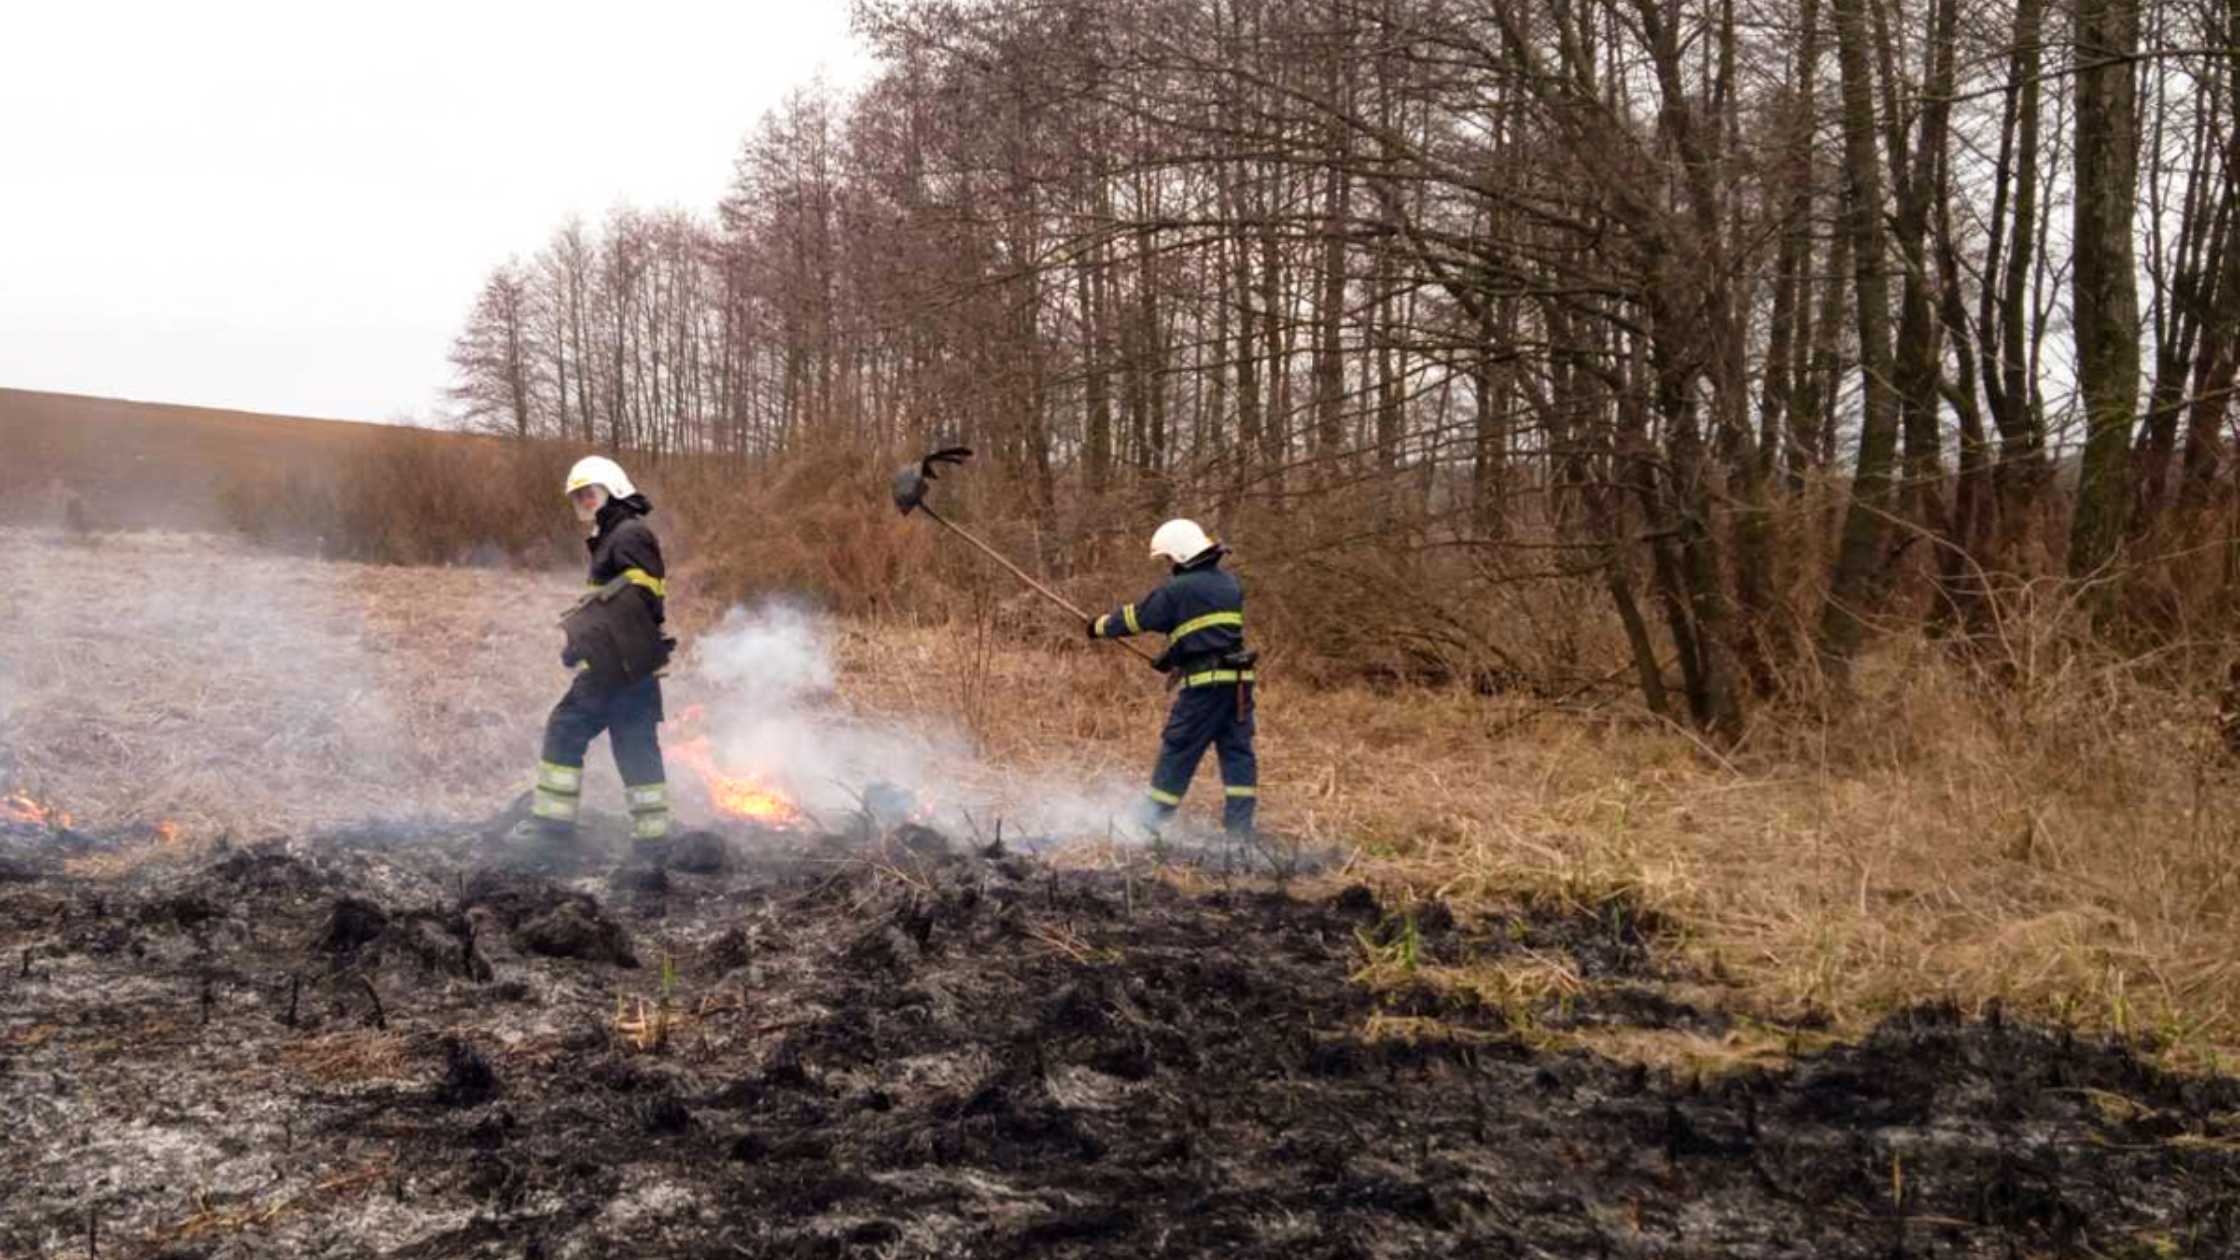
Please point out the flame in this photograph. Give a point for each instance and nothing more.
(734, 795)
(167, 831)
(18, 808)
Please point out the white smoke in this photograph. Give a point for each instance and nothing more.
(766, 677)
(200, 680)
(775, 651)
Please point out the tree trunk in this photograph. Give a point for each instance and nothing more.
(2104, 294)
(1852, 586)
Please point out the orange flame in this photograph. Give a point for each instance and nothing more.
(734, 795)
(18, 808)
(167, 831)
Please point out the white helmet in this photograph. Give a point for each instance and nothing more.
(598, 470)
(1180, 541)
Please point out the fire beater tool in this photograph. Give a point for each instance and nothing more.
(910, 486)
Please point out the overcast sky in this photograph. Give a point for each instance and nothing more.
(289, 207)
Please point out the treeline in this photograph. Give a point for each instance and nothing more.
(1758, 321)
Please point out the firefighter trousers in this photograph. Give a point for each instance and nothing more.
(1218, 717)
(630, 715)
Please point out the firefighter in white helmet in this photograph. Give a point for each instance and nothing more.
(617, 646)
(1200, 609)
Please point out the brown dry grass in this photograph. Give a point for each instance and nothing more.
(346, 1058)
(191, 680)
(322, 487)
(2054, 829)
(135, 465)
(2047, 824)
(217, 1220)
(2066, 842)
(1687, 1054)
(818, 526)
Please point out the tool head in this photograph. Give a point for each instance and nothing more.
(911, 480)
(909, 488)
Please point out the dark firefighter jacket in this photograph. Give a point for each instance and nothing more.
(616, 630)
(1201, 611)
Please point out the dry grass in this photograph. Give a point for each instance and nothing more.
(815, 525)
(1422, 1030)
(323, 487)
(2062, 840)
(405, 496)
(186, 679)
(211, 1220)
(2052, 828)
(346, 1058)
(647, 1026)
(2067, 843)
(135, 465)
(1695, 1055)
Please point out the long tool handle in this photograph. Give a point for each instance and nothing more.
(1054, 597)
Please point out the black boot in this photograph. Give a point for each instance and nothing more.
(537, 846)
(644, 875)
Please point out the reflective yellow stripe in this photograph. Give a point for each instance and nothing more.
(1165, 798)
(649, 810)
(639, 577)
(557, 789)
(1098, 629)
(1207, 622)
(1242, 791)
(1212, 676)
(1128, 614)
(554, 805)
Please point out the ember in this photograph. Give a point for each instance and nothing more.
(18, 808)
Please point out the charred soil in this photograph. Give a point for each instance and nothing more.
(380, 1043)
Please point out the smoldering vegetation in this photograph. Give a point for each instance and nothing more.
(818, 1045)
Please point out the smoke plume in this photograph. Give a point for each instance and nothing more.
(767, 676)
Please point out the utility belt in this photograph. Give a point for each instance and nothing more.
(1229, 669)
(1212, 669)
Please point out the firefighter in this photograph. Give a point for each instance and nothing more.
(617, 647)
(1201, 611)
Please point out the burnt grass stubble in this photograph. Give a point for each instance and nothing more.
(371, 1043)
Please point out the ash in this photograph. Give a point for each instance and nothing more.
(902, 1043)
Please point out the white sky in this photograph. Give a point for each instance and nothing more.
(289, 207)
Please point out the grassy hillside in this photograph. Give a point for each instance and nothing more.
(136, 465)
(817, 527)
(332, 487)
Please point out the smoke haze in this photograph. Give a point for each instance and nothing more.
(767, 675)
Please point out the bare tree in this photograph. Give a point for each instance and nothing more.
(492, 356)
(1441, 302)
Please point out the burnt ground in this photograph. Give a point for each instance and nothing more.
(371, 1044)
